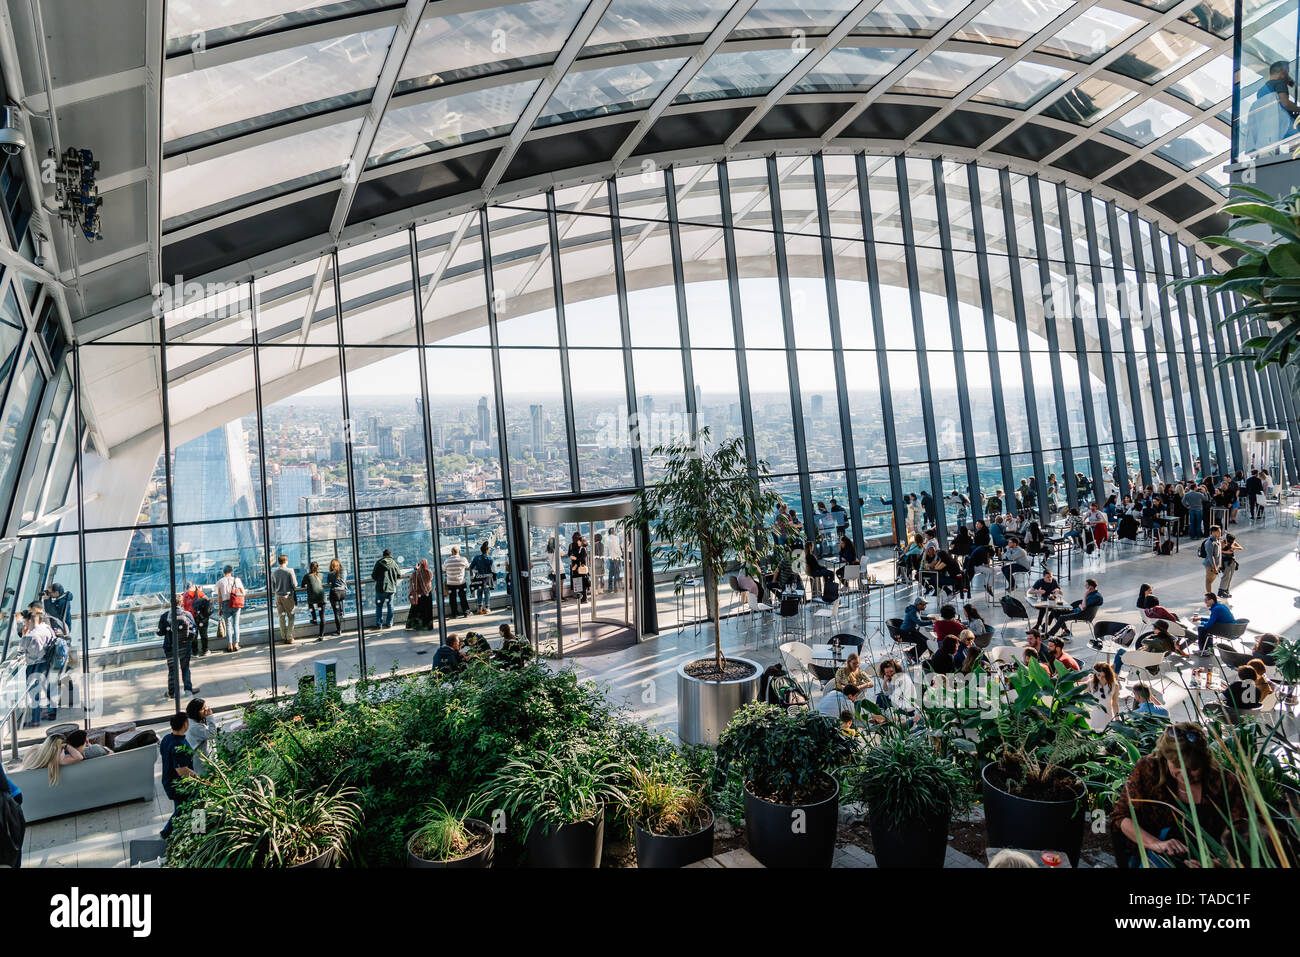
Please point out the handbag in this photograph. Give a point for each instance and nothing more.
(582, 569)
(237, 597)
(221, 628)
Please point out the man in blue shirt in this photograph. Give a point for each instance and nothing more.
(1220, 614)
(177, 763)
(1143, 704)
(448, 657)
(914, 619)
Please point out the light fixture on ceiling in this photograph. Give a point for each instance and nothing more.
(76, 192)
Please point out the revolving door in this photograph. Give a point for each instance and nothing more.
(582, 573)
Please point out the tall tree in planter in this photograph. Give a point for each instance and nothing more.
(709, 504)
(1266, 277)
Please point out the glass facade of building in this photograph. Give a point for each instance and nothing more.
(873, 326)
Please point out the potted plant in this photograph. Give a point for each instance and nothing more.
(709, 507)
(556, 800)
(449, 839)
(786, 758)
(672, 822)
(911, 792)
(252, 823)
(1286, 658)
(1033, 799)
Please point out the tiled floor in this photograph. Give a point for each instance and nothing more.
(643, 677)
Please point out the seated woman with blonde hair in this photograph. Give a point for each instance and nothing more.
(851, 673)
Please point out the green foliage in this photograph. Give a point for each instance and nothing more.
(545, 790)
(666, 798)
(443, 834)
(1266, 277)
(234, 820)
(1286, 658)
(783, 754)
(709, 506)
(903, 778)
(405, 742)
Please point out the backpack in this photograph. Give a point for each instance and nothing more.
(1166, 547)
(1200, 551)
(56, 654)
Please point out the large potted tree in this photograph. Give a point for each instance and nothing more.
(709, 507)
(786, 758)
(1034, 740)
(555, 800)
(911, 791)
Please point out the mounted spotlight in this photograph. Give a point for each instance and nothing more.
(13, 135)
(76, 193)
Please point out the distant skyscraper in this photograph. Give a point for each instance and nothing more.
(699, 398)
(647, 411)
(293, 485)
(415, 436)
(384, 440)
(817, 405)
(539, 428)
(484, 420)
(733, 413)
(211, 479)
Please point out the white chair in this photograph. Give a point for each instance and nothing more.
(755, 607)
(1005, 655)
(797, 658)
(1147, 659)
(826, 616)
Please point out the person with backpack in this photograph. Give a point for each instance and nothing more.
(199, 606)
(177, 763)
(385, 575)
(230, 603)
(336, 586)
(177, 630)
(483, 577)
(37, 647)
(1211, 555)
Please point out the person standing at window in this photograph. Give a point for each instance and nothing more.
(313, 584)
(385, 575)
(483, 576)
(230, 602)
(420, 592)
(336, 584)
(1273, 114)
(453, 575)
(284, 585)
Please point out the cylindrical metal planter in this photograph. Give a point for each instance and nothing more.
(705, 708)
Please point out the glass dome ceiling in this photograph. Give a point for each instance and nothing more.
(286, 127)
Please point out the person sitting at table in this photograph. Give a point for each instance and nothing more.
(1147, 597)
(942, 661)
(1153, 517)
(1104, 686)
(1265, 645)
(1159, 641)
(912, 556)
(851, 673)
(979, 563)
(1128, 527)
(1056, 648)
(981, 538)
(1033, 540)
(1046, 588)
(1219, 614)
(897, 693)
(1238, 696)
(1014, 559)
(1180, 774)
(1091, 599)
(962, 543)
(1074, 527)
(1034, 643)
(847, 729)
(816, 571)
(997, 532)
(975, 622)
(968, 654)
(1263, 686)
(838, 700)
(914, 621)
(848, 555)
(948, 626)
(1143, 702)
(748, 583)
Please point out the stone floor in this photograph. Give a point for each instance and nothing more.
(643, 677)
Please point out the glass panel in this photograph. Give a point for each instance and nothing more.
(850, 69)
(918, 18)
(633, 24)
(463, 118)
(1157, 56)
(481, 42)
(378, 303)
(760, 294)
(1206, 86)
(1089, 101)
(943, 73)
(535, 425)
(304, 429)
(1011, 22)
(749, 73)
(614, 89)
(600, 416)
(190, 22)
(661, 402)
(1022, 86)
(1195, 147)
(1270, 36)
(385, 404)
(452, 288)
(1090, 35)
(769, 392)
(1146, 122)
(717, 393)
(262, 91)
(782, 18)
(256, 172)
(463, 422)
(821, 414)
(19, 417)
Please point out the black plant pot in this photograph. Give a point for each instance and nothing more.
(920, 842)
(662, 850)
(572, 845)
(779, 837)
(475, 859)
(323, 859)
(1030, 825)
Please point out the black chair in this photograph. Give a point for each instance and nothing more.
(1117, 631)
(1087, 615)
(895, 628)
(1013, 608)
(1228, 630)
